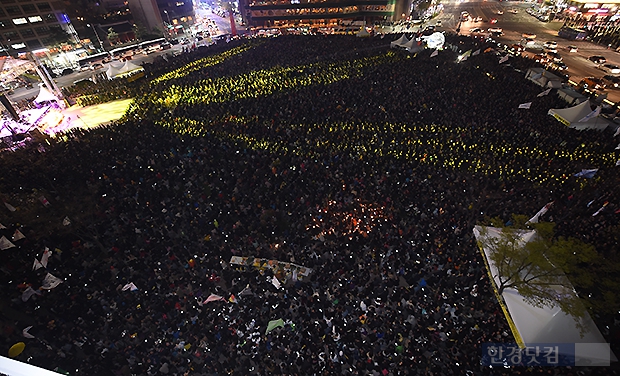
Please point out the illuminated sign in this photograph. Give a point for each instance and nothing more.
(35, 19)
(17, 46)
(19, 21)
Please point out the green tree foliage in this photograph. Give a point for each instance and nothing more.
(544, 269)
(112, 35)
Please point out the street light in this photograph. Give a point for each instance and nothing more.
(97, 35)
(168, 15)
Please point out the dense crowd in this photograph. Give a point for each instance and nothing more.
(367, 165)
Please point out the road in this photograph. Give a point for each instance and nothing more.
(68, 80)
(515, 25)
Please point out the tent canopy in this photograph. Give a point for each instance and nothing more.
(535, 325)
(363, 33)
(571, 117)
(400, 41)
(45, 95)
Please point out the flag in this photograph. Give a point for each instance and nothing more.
(601, 209)
(503, 60)
(130, 286)
(279, 323)
(246, 291)
(50, 281)
(618, 147)
(617, 132)
(232, 299)
(466, 54)
(542, 211)
(66, 221)
(275, 282)
(37, 265)
(588, 174)
(2, 227)
(477, 52)
(28, 293)
(618, 162)
(44, 201)
(17, 235)
(525, 105)
(10, 207)
(591, 115)
(435, 53)
(214, 298)
(25, 332)
(544, 93)
(46, 256)
(5, 243)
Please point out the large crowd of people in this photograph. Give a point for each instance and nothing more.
(367, 166)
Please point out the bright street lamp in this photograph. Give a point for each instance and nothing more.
(97, 35)
(168, 15)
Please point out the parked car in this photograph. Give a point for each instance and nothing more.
(592, 83)
(551, 44)
(528, 36)
(476, 30)
(612, 81)
(611, 68)
(558, 66)
(495, 30)
(66, 71)
(517, 47)
(493, 21)
(572, 48)
(499, 12)
(597, 59)
(554, 56)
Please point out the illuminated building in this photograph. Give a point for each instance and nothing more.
(29, 25)
(268, 13)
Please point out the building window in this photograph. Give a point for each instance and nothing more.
(18, 46)
(35, 19)
(19, 21)
(29, 8)
(34, 44)
(10, 35)
(44, 7)
(6, 25)
(12, 10)
(42, 30)
(50, 17)
(27, 33)
(2, 14)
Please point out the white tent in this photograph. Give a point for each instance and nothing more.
(571, 95)
(543, 77)
(363, 33)
(45, 95)
(112, 71)
(534, 325)
(414, 45)
(16, 368)
(400, 41)
(129, 67)
(573, 117)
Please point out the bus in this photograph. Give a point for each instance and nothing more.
(151, 45)
(124, 52)
(86, 62)
(572, 33)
